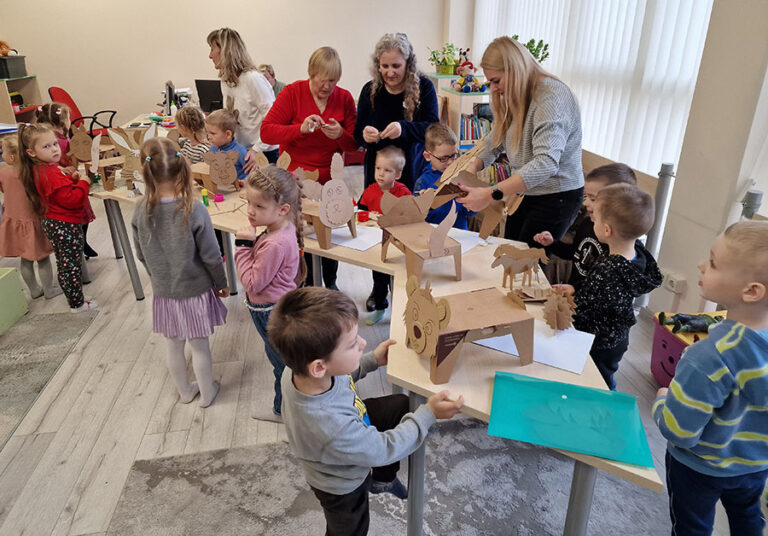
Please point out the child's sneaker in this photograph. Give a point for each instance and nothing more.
(375, 317)
(395, 487)
(88, 305)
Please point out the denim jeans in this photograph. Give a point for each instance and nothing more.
(260, 318)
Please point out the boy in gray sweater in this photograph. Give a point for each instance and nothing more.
(337, 436)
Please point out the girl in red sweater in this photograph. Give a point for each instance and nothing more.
(61, 201)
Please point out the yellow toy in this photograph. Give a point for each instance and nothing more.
(468, 82)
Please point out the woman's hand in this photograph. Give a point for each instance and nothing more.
(246, 233)
(477, 199)
(371, 134)
(311, 122)
(568, 290)
(332, 129)
(250, 160)
(393, 131)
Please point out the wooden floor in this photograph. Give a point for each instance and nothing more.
(112, 402)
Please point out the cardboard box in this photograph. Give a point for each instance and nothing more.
(12, 297)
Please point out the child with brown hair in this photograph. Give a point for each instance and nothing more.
(21, 234)
(270, 264)
(715, 412)
(191, 124)
(622, 213)
(173, 236)
(60, 200)
(220, 127)
(584, 248)
(346, 445)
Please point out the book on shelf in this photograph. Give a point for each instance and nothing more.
(473, 127)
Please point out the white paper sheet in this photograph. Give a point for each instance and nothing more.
(567, 350)
(367, 237)
(466, 239)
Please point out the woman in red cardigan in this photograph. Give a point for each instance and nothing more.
(311, 120)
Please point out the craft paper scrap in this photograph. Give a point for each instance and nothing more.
(466, 239)
(367, 237)
(567, 350)
(568, 417)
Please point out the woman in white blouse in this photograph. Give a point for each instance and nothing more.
(253, 96)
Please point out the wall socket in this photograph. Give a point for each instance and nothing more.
(674, 282)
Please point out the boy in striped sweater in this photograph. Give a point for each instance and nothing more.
(715, 412)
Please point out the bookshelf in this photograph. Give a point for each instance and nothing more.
(459, 109)
(30, 91)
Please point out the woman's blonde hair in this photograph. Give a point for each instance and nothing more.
(161, 162)
(192, 118)
(52, 114)
(325, 63)
(28, 135)
(235, 59)
(399, 42)
(282, 187)
(521, 74)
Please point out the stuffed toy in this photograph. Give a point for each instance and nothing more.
(468, 81)
(6, 50)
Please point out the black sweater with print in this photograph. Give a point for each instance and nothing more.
(604, 300)
(585, 250)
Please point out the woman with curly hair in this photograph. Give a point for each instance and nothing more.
(252, 94)
(395, 107)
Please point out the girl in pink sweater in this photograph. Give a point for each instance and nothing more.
(270, 264)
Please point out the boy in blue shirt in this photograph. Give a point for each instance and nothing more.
(220, 126)
(442, 148)
(715, 412)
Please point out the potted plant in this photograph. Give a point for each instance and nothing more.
(444, 59)
(540, 50)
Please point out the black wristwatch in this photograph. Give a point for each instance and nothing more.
(497, 194)
(242, 242)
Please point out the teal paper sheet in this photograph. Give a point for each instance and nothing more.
(569, 417)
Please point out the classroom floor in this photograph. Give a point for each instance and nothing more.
(112, 403)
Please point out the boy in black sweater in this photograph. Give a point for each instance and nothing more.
(622, 213)
(585, 248)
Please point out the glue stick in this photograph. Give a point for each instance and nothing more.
(204, 193)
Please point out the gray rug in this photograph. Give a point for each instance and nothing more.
(30, 353)
(476, 485)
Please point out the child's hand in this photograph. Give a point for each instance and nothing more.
(661, 392)
(332, 129)
(311, 122)
(371, 134)
(567, 289)
(246, 233)
(393, 130)
(381, 352)
(75, 176)
(442, 406)
(222, 292)
(544, 238)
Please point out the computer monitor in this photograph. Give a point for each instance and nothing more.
(209, 95)
(170, 97)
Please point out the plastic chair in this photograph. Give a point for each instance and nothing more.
(61, 96)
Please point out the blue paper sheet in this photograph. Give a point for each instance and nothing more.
(569, 417)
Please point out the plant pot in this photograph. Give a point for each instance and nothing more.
(445, 69)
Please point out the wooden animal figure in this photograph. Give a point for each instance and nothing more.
(80, 145)
(518, 260)
(424, 316)
(559, 310)
(222, 171)
(129, 146)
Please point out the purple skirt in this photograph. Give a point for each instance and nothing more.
(188, 318)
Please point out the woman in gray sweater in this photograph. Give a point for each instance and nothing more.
(538, 124)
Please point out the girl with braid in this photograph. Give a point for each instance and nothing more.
(270, 264)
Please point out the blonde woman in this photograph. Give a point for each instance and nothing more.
(395, 107)
(538, 124)
(252, 93)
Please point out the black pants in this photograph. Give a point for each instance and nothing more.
(348, 514)
(330, 268)
(272, 155)
(380, 289)
(551, 212)
(607, 361)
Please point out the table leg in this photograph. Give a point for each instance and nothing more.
(229, 263)
(113, 232)
(580, 501)
(117, 217)
(317, 270)
(416, 462)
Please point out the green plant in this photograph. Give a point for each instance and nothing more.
(540, 50)
(448, 55)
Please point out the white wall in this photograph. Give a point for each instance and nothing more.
(117, 54)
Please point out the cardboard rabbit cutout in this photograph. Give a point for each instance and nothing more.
(328, 206)
(129, 147)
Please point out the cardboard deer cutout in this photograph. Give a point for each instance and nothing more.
(328, 206)
(129, 146)
(404, 227)
(438, 329)
(448, 189)
(517, 260)
(559, 310)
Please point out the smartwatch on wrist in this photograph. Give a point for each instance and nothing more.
(496, 194)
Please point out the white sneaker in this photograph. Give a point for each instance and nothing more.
(88, 305)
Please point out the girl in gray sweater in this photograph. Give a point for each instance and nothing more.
(174, 240)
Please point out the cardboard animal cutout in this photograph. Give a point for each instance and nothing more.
(518, 260)
(221, 170)
(129, 147)
(80, 145)
(109, 181)
(559, 310)
(174, 136)
(438, 329)
(94, 167)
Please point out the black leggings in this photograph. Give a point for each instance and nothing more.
(550, 212)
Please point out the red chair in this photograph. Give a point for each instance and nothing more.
(62, 97)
